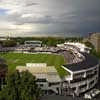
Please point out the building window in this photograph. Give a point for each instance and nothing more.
(50, 84)
(74, 88)
(83, 86)
(41, 85)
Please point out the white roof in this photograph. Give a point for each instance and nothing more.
(34, 41)
(53, 78)
(48, 72)
(36, 64)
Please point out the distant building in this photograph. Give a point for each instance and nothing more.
(2, 39)
(94, 38)
(33, 43)
(81, 47)
(47, 76)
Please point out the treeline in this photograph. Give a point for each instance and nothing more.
(49, 41)
(93, 50)
(8, 43)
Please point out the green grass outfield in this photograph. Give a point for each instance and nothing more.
(15, 59)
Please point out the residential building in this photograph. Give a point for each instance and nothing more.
(94, 38)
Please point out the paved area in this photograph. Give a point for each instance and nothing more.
(58, 97)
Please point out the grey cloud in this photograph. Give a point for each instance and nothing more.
(31, 4)
(59, 16)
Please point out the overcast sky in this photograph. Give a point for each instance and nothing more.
(49, 17)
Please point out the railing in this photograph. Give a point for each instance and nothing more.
(91, 79)
(68, 77)
(83, 82)
(78, 76)
(78, 83)
(83, 89)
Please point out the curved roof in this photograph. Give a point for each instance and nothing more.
(89, 62)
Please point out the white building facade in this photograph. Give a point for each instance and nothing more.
(33, 43)
(81, 79)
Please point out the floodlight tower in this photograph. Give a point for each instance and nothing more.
(8, 36)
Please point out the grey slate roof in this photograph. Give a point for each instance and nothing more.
(89, 62)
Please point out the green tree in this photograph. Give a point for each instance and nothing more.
(20, 86)
(88, 44)
(9, 43)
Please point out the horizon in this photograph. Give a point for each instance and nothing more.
(63, 18)
(45, 35)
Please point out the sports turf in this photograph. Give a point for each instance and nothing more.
(15, 59)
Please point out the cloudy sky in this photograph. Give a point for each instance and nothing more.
(49, 17)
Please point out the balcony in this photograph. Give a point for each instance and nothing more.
(75, 84)
(78, 83)
(83, 89)
(81, 75)
(68, 77)
(91, 79)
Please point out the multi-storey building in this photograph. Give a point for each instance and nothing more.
(94, 38)
(82, 75)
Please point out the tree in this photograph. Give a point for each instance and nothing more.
(93, 50)
(88, 44)
(9, 43)
(20, 86)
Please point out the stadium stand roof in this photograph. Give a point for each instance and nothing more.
(89, 62)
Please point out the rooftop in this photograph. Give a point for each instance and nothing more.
(89, 62)
(41, 72)
(95, 35)
(33, 41)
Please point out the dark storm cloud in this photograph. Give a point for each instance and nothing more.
(56, 16)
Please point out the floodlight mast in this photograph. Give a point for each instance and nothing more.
(8, 36)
